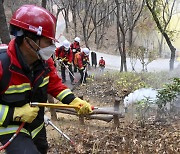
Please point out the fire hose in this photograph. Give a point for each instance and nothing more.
(46, 119)
(13, 137)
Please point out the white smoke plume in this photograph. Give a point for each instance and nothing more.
(140, 94)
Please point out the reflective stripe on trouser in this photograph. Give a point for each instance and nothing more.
(3, 113)
(63, 94)
(37, 130)
(11, 129)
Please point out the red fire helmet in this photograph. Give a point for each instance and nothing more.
(35, 19)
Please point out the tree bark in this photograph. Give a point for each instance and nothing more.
(74, 8)
(43, 3)
(52, 110)
(121, 28)
(4, 31)
(163, 32)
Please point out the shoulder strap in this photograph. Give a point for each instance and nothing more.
(5, 61)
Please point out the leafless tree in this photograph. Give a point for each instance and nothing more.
(43, 3)
(122, 29)
(74, 7)
(128, 13)
(162, 21)
(100, 18)
(83, 15)
(93, 17)
(4, 32)
(65, 7)
(133, 11)
(13, 5)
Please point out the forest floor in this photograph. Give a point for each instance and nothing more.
(100, 137)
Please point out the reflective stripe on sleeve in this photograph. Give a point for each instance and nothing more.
(18, 88)
(45, 81)
(37, 130)
(11, 129)
(63, 94)
(3, 113)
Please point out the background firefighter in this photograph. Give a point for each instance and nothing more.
(65, 56)
(75, 46)
(82, 60)
(102, 64)
(27, 74)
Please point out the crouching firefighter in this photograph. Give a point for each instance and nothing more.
(82, 60)
(28, 74)
(65, 55)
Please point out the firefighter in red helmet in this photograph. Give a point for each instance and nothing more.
(27, 74)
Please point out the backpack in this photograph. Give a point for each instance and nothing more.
(5, 62)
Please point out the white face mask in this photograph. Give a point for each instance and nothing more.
(46, 53)
(66, 49)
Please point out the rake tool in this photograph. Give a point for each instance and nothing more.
(61, 61)
(48, 122)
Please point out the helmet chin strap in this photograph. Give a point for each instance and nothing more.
(33, 49)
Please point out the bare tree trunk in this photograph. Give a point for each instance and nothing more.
(101, 39)
(133, 12)
(130, 38)
(74, 6)
(65, 12)
(163, 30)
(94, 16)
(112, 16)
(66, 17)
(160, 45)
(4, 31)
(43, 3)
(124, 54)
(85, 35)
(118, 38)
(52, 111)
(74, 16)
(122, 27)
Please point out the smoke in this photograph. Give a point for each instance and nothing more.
(140, 94)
